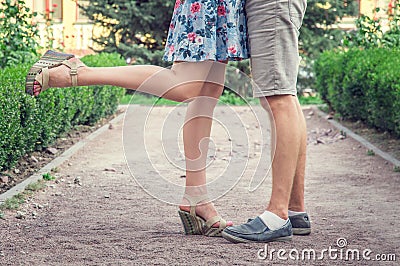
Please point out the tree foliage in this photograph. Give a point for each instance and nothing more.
(370, 33)
(319, 33)
(129, 25)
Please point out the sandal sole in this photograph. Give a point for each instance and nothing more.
(191, 224)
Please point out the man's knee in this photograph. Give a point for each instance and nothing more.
(278, 103)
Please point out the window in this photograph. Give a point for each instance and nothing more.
(80, 15)
(45, 7)
(39, 7)
(57, 6)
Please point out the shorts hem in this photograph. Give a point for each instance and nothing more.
(273, 93)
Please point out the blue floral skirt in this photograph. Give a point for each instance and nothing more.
(207, 30)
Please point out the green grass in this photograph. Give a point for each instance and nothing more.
(145, 100)
(35, 186)
(310, 100)
(228, 98)
(14, 202)
(48, 177)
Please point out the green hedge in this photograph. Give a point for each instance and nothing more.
(28, 124)
(362, 85)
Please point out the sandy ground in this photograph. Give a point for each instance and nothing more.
(96, 213)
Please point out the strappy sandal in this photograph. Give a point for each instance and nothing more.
(196, 225)
(40, 70)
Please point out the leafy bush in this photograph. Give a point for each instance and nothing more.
(28, 123)
(370, 32)
(362, 85)
(17, 35)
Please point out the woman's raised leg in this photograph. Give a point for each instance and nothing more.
(178, 83)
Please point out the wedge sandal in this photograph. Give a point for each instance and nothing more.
(39, 71)
(196, 225)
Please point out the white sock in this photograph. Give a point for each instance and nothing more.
(272, 220)
(292, 213)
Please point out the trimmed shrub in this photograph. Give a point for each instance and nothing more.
(28, 124)
(362, 85)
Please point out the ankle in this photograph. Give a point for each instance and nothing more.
(294, 213)
(297, 208)
(272, 221)
(282, 213)
(196, 191)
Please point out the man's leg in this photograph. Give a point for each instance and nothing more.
(296, 202)
(273, 224)
(298, 217)
(283, 165)
(273, 28)
(288, 139)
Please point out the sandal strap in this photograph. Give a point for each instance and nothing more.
(49, 60)
(210, 222)
(43, 78)
(73, 70)
(194, 200)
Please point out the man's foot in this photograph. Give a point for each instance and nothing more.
(300, 223)
(256, 230)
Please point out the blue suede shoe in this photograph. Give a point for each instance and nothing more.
(256, 231)
(301, 224)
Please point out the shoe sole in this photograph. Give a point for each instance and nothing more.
(235, 239)
(301, 231)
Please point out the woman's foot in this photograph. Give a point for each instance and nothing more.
(60, 76)
(204, 210)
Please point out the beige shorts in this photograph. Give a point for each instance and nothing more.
(273, 29)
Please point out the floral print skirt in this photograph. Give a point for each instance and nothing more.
(207, 30)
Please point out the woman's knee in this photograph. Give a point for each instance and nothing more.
(212, 90)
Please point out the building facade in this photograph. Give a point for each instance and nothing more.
(73, 32)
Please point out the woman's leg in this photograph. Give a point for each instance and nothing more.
(200, 82)
(196, 134)
(177, 83)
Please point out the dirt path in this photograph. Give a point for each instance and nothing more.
(96, 214)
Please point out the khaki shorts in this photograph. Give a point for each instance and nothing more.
(273, 29)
